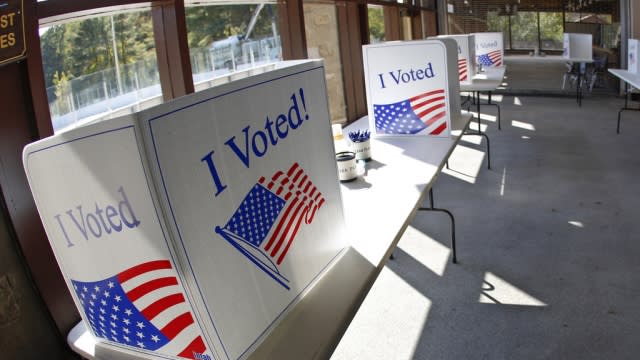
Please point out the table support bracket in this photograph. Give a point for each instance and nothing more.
(453, 224)
(488, 145)
(626, 106)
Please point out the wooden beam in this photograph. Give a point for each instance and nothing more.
(292, 33)
(392, 23)
(172, 48)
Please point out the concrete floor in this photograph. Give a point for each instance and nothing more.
(548, 246)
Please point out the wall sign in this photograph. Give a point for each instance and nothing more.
(12, 38)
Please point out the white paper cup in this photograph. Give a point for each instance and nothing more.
(346, 166)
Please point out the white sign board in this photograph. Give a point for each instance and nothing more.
(634, 52)
(577, 46)
(466, 56)
(489, 49)
(235, 210)
(412, 87)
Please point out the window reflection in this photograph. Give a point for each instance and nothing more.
(99, 68)
(225, 39)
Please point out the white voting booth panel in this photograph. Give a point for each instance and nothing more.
(634, 52)
(412, 87)
(489, 49)
(466, 56)
(577, 46)
(189, 229)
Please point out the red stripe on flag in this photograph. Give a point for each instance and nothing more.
(427, 102)
(431, 109)
(175, 326)
(142, 290)
(293, 235)
(418, 97)
(262, 180)
(196, 346)
(161, 305)
(143, 268)
(298, 174)
(292, 169)
(439, 129)
(279, 226)
(291, 219)
(435, 118)
(303, 180)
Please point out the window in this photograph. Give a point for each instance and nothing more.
(499, 23)
(376, 23)
(524, 30)
(551, 30)
(226, 39)
(99, 68)
(321, 28)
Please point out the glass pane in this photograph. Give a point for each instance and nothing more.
(376, 24)
(321, 27)
(225, 39)
(524, 30)
(100, 68)
(551, 30)
(497, 22)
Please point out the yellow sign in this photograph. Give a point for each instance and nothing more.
(12, 39)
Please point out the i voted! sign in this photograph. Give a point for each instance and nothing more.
(489, 49)
(409, 85)
(466, 56)
(97, 206)
(190, 229)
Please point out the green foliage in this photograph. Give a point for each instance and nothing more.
(62, 90)
(376, 24)
(83, 47)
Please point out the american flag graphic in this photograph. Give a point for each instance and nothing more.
(270, 216)
(462, 69)
(143, 307)
(426, 111)
(493, 58)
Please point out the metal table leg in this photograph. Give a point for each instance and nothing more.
(453, 224)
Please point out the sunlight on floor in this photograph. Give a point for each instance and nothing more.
(485, 117)
(523, 125)
(502, 182)
(498, 291)
(517, 101)
(429, 252)
(395, 331)
(578, 224)
(465, 163)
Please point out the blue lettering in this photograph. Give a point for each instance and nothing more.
(282, 120)
(95, 230)
(381, 80)
(254, 144)
(69, 243)
(407, 76)
(104, 220)
(82, 228)
(127, 206)
(214, 173)
(111, 213)
(243, 156)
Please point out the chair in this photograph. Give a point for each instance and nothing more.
(598, 71)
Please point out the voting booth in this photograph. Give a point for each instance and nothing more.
(412, 87)
(188, 230)
(577, 46)
(466, 56)
(489, 49)
(634, 52)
